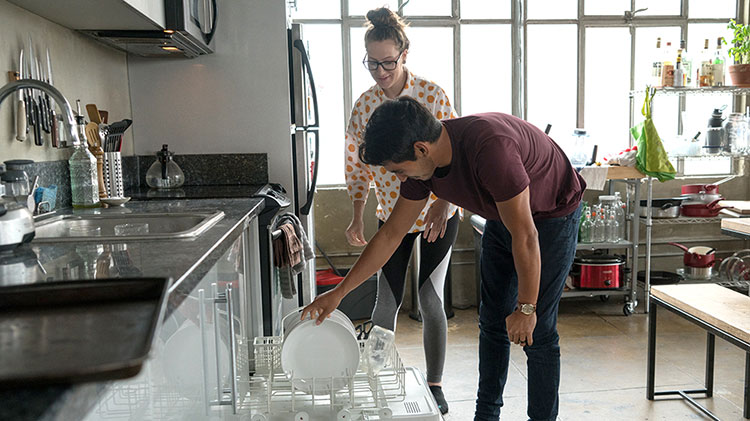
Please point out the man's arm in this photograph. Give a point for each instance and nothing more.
(374, 256)
(516, 216)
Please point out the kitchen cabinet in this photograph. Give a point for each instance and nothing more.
(198, 369)
(143, 15)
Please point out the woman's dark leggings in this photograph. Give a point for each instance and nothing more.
(434, 259)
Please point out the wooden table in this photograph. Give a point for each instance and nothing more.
(721, 312)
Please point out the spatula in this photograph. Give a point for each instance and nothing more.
(94, 115)
(92, 134)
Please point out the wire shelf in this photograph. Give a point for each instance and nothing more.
(712, 90)
(362, 394)
(682, 220)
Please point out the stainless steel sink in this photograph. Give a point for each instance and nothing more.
(132, 226)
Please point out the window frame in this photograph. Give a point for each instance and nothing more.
(519, 26)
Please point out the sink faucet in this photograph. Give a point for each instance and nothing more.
(68, 120)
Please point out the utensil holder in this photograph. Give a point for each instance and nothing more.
(112, 172)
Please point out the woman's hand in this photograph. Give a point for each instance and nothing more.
(355, 233)
(436, 220)
(323, 306)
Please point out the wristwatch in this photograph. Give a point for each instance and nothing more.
(527, 309)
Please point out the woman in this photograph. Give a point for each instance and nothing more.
(387, 49)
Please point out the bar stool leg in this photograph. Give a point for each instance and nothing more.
(747, 386)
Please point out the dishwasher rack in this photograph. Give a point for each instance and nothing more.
(364, 396)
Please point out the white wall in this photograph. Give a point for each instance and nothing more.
(233, 101)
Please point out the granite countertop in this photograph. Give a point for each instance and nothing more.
(186, 261)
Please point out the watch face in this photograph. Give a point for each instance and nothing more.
(527, 308)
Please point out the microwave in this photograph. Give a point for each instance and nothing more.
(189, 28)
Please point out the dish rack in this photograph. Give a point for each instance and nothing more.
(365, 396)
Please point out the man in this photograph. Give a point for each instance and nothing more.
(515, 176)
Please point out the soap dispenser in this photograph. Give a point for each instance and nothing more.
(164, 173)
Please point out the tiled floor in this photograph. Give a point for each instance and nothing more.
(603, 366)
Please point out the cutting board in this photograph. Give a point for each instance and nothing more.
(739, 206)
(737, 224)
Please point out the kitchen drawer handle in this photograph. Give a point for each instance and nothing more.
(204, 346)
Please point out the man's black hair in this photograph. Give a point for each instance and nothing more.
(393, 129)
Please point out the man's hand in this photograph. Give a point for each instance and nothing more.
(436, 220)
(355, 233)
(520, 328)
(323, 306)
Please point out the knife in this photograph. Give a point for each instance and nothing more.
(51, 106)
(44, 116)
(21, 127)
(37, 98)
(31, 105)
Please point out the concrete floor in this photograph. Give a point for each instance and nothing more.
(603, 365)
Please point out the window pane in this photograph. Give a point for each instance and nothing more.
(485, 9)
(361, 79)
(646, 53)
(605, 7)
(485, 78)
(552, 9)
(658, 7)
(712, 9)
(324, 47)
(428, 8)
(431, 55)
(361, 7)
(317, 9)
(606, 89)
(699, 32)
(552, 44)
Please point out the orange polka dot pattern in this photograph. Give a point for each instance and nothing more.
(359, 176)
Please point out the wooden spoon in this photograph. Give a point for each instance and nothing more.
(94, 115)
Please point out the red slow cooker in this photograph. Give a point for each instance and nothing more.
(598, 271)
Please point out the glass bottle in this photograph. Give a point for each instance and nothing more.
(584, 233)
(656, 64)
(84, 185)
(679, 74)
(598, 227)
(718, 63)
(613, 227)
(687, 64)
(620, 210)
(667, 68)
(706, 69)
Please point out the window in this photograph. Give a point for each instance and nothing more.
(576, 63)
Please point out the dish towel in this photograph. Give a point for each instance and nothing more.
(291, 251)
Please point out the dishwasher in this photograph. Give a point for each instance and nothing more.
(395, 393)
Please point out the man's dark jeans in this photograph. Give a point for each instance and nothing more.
(557, 243)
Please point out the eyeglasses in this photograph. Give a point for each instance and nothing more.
(387, 65)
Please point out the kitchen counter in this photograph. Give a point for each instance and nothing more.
(184, 261)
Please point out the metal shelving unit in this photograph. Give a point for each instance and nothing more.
(632, 178)
(679, 165)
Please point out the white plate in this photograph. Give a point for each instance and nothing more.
(115, 201)
(320, 352)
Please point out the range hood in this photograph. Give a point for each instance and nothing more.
(149, 28)
(151, 43)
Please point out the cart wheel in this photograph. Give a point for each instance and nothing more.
(385, 413)
(604, 298)
(344, 415)
(301, 416)
(628, 309)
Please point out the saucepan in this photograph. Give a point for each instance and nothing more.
(698, 256)
(698, 209)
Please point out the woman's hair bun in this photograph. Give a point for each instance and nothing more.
(384, 17)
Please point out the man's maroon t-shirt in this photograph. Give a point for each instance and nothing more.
(495, 157)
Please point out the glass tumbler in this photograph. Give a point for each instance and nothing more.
(736, 128)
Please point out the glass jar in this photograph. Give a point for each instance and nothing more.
(736, 131)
